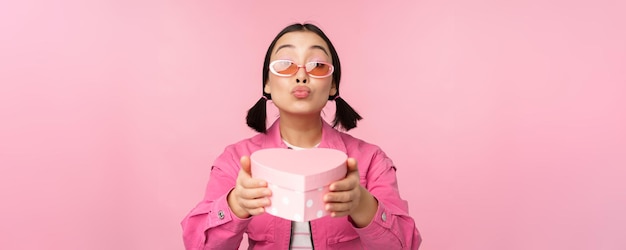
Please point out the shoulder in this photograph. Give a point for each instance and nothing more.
(352, 142)
(361, 148)
(371, 159)
(244, 147)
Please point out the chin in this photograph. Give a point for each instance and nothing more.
(304, 112)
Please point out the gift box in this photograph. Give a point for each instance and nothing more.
(298, 179)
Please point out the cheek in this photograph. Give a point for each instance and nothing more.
(325, 86)
(274, 84)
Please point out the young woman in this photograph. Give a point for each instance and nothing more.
(301, 74)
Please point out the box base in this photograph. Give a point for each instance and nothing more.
(297, 206)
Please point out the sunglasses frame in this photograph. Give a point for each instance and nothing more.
(330, 71)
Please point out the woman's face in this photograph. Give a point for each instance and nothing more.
(300, 94)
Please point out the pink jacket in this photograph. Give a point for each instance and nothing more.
(212, 225)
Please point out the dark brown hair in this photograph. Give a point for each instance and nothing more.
(345, 115)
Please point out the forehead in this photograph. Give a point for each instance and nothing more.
(300, 40)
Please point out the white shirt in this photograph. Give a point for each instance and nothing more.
(300, 231)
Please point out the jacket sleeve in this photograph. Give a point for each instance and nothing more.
(391, 227)
(211, 224)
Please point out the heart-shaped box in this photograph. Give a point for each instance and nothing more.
(298, 179)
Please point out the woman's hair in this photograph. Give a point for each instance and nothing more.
(344, 114)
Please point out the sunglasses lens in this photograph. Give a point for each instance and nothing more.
(289, 68)
(318, 69)
(284, 67)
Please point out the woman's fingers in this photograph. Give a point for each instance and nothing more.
(342, 197)
(254, 193)
(252, 204)
(250, 195)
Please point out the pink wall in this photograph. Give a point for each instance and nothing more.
(506, 118)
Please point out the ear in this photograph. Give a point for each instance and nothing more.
(267, 88)
(333, 90)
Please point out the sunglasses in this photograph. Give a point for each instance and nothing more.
(289, 68)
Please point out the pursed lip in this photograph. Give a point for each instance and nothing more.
(301, 89)
(301, 92)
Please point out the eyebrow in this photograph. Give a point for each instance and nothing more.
(312, 47)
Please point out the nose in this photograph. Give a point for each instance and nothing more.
(301, 75)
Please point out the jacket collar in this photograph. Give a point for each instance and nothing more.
(331, 138)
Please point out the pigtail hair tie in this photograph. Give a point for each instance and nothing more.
(257, 115)
(345, 115)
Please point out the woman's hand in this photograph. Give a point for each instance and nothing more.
(250, 196)
(348, 197)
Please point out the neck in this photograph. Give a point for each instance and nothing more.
(304, 132)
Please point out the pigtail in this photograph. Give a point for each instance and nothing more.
(257, 115)
(345, 115)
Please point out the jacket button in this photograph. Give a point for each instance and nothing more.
(220, 215)
(384, 216)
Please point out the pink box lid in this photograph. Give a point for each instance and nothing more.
(299, 170)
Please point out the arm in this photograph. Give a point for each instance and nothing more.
(391, 227)
(375, 210)
(212, 223)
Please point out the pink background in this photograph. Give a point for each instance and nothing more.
(506, 119)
